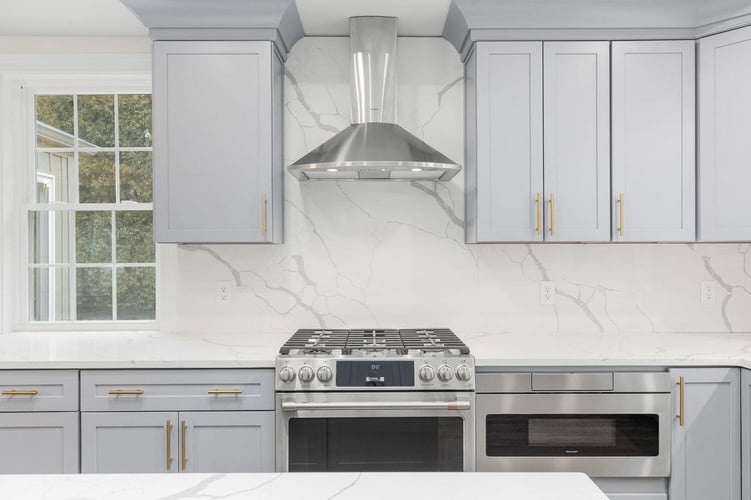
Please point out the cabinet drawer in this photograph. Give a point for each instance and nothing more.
(165, 390)
(29, 390)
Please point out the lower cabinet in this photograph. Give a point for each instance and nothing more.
(39, 443)
(746, 434)
(706, 448)
(213, 441)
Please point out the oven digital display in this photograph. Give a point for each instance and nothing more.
(375, 373)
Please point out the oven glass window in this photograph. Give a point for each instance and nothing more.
(376, 444)
(617, 435)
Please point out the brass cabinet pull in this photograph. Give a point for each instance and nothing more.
(263, 214)
(169, 444)
(538, 203)
(225, 391)
(121, 392)
(620, 214)
(20, 393)
(682, 402)
(183, 451)
(552, 214)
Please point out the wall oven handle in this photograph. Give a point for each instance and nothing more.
(378, 405)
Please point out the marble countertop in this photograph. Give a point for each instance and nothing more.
(313, 486)
(88, 350)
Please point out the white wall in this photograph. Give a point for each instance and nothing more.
(392, 254)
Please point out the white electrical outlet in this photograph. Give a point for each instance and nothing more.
(708, 292)
(223, 292)
(547, 292)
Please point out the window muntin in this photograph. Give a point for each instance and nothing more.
(91, 252)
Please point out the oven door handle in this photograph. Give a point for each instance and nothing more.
(378, 405)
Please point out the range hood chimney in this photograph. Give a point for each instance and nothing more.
(374, 146)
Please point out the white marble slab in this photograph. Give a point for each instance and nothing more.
(314, 486)
(81, 350)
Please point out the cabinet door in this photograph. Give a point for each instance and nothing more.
(227, 441)
(124, 442)
(653, 195)
(746, 434)
(504, 134)
(706, 455)
(724, 131)
(38, 443)
(577, 141)
(213, 132)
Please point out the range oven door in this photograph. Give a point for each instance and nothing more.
(603, 435)
(368, 431)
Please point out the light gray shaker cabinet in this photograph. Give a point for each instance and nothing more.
(39, 430)
(218, 172)
(507, 157)
(724, 131)
(653, 138)
(706, 450)
(503, 164)
(746, 434)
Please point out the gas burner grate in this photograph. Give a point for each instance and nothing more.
(321, 341)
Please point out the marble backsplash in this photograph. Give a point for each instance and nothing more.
(371, 254)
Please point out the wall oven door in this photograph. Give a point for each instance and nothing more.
(603, 435)
(368, 431)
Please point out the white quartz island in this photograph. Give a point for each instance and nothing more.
(312, 486)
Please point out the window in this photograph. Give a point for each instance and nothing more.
(91, 253)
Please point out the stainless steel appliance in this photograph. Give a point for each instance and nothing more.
(375, 400)
(604, 424)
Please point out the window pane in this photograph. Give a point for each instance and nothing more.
(49, 237)
(54, 177)
(54, 121)
(136, 293)
(96, 178)
(135, 176)
(94, 293)
(93, 237)
(50, 295)
(96, 121)
(134, 112)
(135, 239)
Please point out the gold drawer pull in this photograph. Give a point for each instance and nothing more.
(264, 204)
(169, 445)
(682, 401)
(552, 214)
(538, 219)
(20, 393)
(225, 391)
(620, 215)
(183, 448)
(122, 392)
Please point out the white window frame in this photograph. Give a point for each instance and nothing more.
(95, 74)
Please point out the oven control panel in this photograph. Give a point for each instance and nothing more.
(331, 374)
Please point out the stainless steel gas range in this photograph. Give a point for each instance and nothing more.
(375, 400)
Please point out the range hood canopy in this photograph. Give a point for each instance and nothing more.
(374, 146)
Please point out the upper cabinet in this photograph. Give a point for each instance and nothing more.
(504, 142)
(218, 172)
(724, 132)
(519, 187)
(577, 141)
(653, 186)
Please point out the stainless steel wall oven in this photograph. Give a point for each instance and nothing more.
(603, 424)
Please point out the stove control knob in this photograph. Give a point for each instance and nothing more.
(306, 374)
(325, 374)
(427, 373)
(464, 373)
(287, 374)
(445, 373)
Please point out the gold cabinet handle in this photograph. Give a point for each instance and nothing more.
(263, 214)
(121, 392)
(20, 393)
(552, 214)
(225, 391)
(682, 401)
(620, 214)
(169, 445)
(183, 451)
(538, 203)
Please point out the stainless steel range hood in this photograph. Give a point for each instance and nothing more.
(374, 146)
